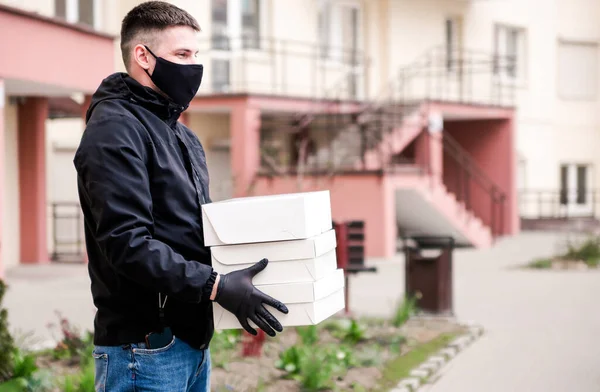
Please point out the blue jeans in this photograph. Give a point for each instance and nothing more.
(176, 367)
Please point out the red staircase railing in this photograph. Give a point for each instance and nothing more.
(472, 186)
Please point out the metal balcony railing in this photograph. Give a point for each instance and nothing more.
(279, 67)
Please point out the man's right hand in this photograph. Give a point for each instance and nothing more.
(237, 294)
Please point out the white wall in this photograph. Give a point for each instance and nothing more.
(43, 7)
(11, 225)
(213, 132)
(62, 139)
(550, 130)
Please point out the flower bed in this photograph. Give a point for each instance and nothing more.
(341, 354)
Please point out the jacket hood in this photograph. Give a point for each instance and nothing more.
(123, 87)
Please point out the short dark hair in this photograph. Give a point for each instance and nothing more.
(148, 18)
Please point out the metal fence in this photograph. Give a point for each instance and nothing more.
(556, 204)
(68, 244)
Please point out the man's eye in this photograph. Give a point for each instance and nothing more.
(181, 55)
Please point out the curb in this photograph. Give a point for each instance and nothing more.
(431, 367)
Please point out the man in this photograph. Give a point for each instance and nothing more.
(142, 179)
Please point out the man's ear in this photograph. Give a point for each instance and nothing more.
(142, 57)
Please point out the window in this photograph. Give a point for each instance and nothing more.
(350, 26)
(453, 41)
(574, 184)
(578, 71)
(339, 31)
(236, 23)
(220, 75)
(250, 24)
(78, 11)
(323, 27)
(564, 184)
(581, 184)
(510, 52)
(220, 36)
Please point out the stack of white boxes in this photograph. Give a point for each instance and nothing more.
(294, 232)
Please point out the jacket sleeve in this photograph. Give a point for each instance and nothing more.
(114, 182)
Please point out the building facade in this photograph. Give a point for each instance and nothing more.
(429, 117)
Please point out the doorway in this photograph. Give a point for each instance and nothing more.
(576, 196)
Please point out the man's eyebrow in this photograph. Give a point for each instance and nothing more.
(188, 50)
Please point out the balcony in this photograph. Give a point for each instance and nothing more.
(285, 68)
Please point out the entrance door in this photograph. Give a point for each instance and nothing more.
(576, 198)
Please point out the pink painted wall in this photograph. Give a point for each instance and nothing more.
(44, 51)
(32, 179)
(491, 145)
(2, 104)
(353, 197)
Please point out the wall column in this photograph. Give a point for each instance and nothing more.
(429, 153)
(245, 147)
(32, 179)
(3, 99)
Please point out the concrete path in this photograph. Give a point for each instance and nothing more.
(542, 327)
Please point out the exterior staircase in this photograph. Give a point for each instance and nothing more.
(370, 140)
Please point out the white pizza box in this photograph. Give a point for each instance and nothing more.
(309, 303)
(245, 220)
(289, 261)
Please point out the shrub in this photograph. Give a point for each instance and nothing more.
(406, 309)
(6, 340)
(541, 264)
(588, 250)
(72, 344)
(349, 331)
(309, 335)
(82, 382)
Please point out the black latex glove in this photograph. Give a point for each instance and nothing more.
(237, 294)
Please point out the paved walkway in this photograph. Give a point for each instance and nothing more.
(542, 327)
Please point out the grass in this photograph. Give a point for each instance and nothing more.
(399, 368)
(587, 251)
(14, 385)
(541, 264)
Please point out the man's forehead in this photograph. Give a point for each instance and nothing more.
(179, 38)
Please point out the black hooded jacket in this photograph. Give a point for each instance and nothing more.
(142, 179)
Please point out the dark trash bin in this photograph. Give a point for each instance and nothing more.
(431, 276)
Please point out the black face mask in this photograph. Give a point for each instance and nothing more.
(179, 81)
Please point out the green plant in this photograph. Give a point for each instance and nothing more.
(41, 381)
(593, 262)
(405, 310)
(81, 382)
(25, 374)
(222, 346)
(315, 366)
(24, 365)
(6, 340)
(589, 249)
(541, 264)
(355, 333)
(309, 335)
(72, 342)
(291, 360)
(316, 373)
